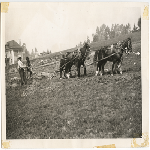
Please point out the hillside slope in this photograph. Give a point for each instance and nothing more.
(90, 107)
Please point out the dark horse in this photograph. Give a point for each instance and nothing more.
(113, 55)
(76, 58)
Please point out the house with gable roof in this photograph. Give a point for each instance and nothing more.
(12, 50)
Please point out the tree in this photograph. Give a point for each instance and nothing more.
(139, 23)
(97, 30)
(129, 28)
(36, 50)
(33, 54)
(116, 29)
(112, 32)
(80, 44)
(88, 40)
(95, 38)
(47, 51)
(124, 30)
(102, 31)
(134, 28)
(107, 33)
(27, 53)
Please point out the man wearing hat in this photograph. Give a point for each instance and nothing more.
(21, 68)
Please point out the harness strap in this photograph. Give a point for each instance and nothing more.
(104, 58)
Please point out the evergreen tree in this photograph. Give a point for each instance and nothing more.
(80, 44)
(88, 40)
(134, 28)
(36, 50)
(139, 23)
(112, 32)
(97, 30)
(33, 54)
(107, 33)
(129, 28)
(95, 38)
(103, 27)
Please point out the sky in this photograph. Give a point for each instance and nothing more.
(57, 26)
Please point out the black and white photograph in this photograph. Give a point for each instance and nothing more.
(73, 70)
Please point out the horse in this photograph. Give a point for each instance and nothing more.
(113, 55)
(76, 58)
(66, 63)
(81, 57)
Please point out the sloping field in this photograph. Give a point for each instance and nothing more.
(79, 108)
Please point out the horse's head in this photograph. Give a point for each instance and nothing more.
(127, 46)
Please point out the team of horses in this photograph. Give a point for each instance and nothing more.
(113, 53)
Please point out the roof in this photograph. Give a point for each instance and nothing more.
(13, 45)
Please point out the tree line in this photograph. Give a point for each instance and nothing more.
(34, 53)
(104, 32)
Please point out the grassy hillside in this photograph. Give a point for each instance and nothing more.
(79, 108)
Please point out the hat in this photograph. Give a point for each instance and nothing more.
(19, 56)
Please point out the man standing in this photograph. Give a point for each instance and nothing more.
(21, 69)
(29, 67)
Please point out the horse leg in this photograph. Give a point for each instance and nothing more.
(61, 69)
(65, 72)
(102, 67)
(112, 69)
(97, 69)
(78, 69)
(115, 67)
(70, 72)
(119, 66)
(84, 69)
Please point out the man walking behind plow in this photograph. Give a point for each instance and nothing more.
(22, 71)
